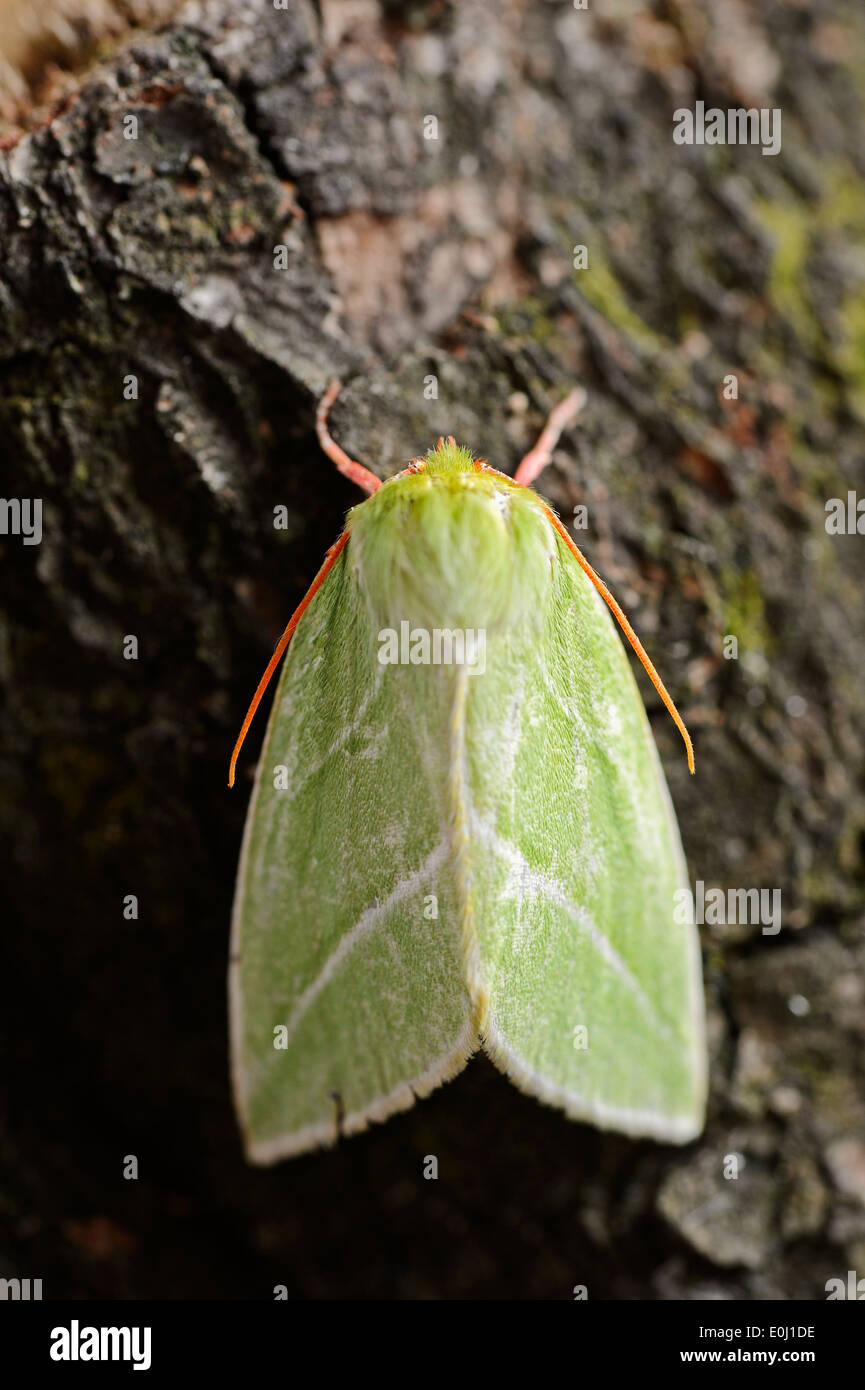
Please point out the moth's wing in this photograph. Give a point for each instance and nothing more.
(577, 864)
(343, 929)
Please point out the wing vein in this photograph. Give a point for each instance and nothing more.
(365, 924)
(555, 891)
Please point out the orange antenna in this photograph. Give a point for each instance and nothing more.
(558, 419)
(347, 466)
(628, 631)
(329, 562)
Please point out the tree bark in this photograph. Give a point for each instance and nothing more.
(427, 170)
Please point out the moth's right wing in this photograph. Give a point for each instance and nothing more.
(593, 968)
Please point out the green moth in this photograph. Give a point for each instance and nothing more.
(460, 835)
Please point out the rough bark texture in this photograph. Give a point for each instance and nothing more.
(407, 257)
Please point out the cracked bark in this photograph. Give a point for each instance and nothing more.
(405, 258)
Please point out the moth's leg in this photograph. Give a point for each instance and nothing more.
(356, 471)
(558, 419)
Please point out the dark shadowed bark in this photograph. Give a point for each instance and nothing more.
(406, 257)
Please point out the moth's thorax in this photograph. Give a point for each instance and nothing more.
(455, 547)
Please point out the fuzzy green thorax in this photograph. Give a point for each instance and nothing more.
(452, 547)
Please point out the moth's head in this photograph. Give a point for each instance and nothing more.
(448, 457)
